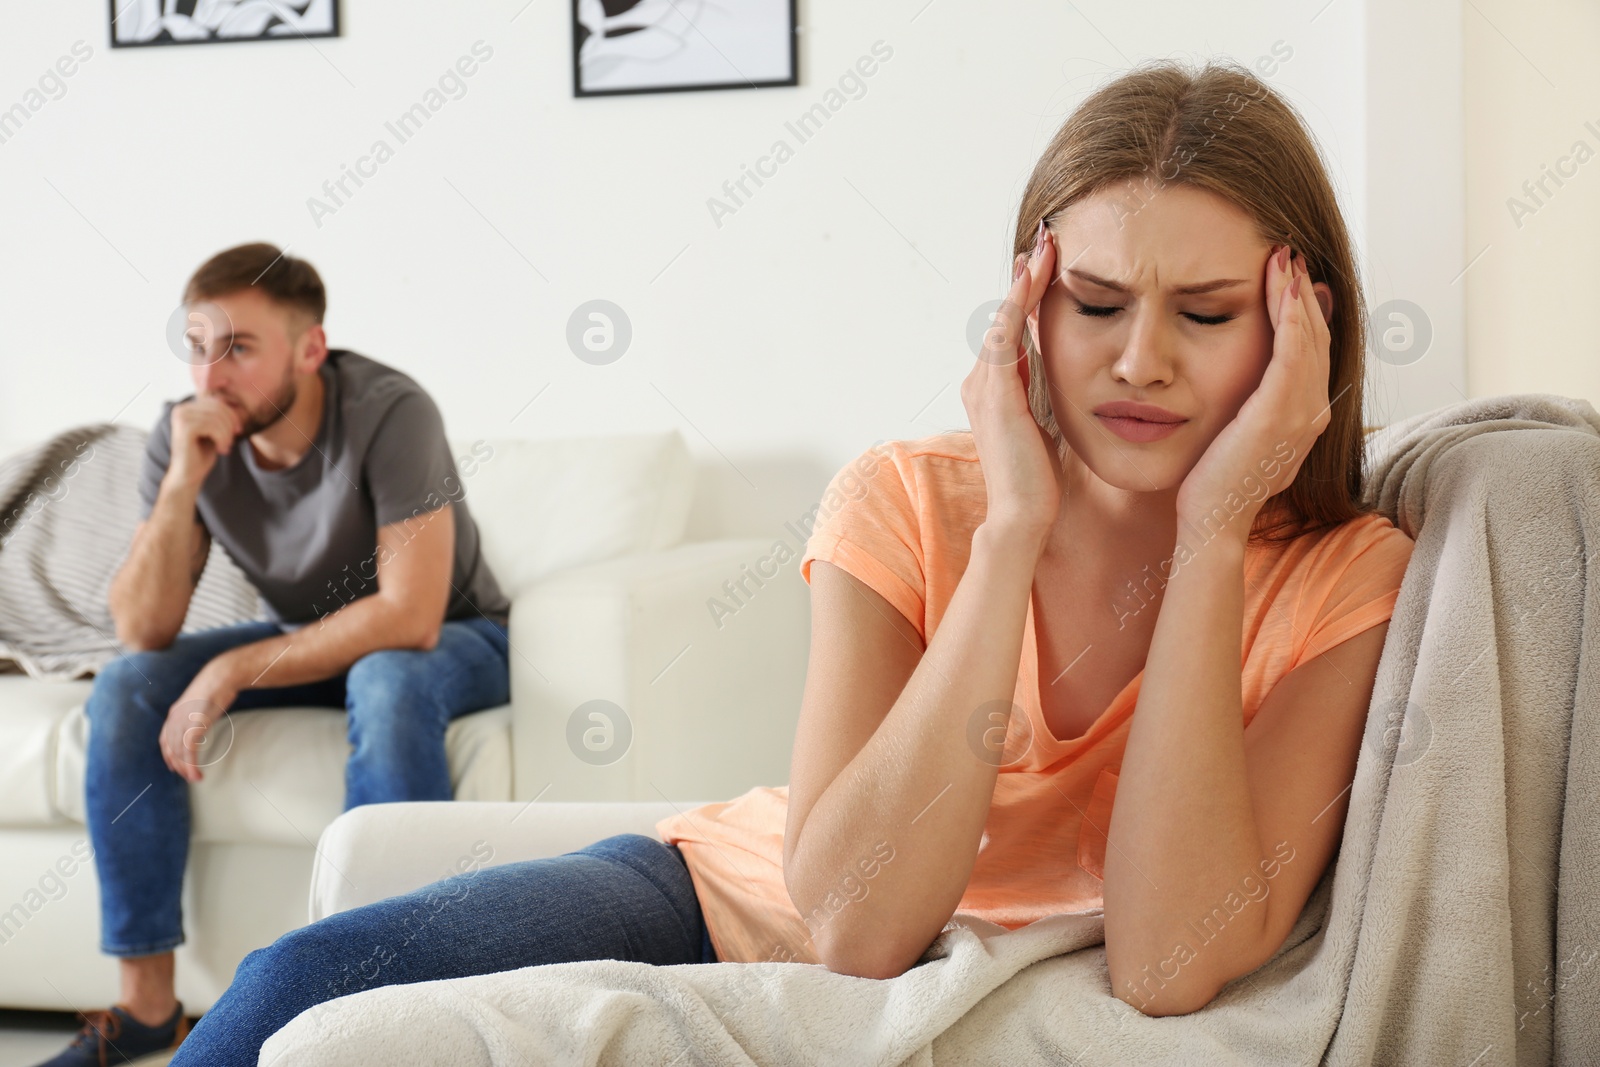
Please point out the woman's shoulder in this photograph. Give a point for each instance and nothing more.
(1344, 540)
(952, 449)
(900, 516)
(1361, 557)
(1362, 534)
(924, 476)
(1353, 581)
(956, 445)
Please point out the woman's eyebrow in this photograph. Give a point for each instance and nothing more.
(1182, 290)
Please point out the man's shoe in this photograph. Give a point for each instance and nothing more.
(114, 1036)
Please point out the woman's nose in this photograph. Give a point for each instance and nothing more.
(1145, 356)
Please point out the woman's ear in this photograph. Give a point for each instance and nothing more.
(1324, 300)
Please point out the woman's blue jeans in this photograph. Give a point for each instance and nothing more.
(627, 897)
(399, 702)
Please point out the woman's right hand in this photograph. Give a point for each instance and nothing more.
(1016, 455)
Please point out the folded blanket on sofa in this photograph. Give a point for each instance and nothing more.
(67, 512)
(1459, 924)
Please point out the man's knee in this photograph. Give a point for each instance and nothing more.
(381, 682)
(123, 691)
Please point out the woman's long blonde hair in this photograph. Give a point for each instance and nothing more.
(1222, 129)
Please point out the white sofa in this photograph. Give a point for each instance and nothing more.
(608, 604)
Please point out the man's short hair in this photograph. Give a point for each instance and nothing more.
(291, 282)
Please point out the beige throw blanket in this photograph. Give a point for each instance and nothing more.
(68, 509)
(1458, 927)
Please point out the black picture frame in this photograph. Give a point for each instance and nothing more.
(166, 40)
(792, 32)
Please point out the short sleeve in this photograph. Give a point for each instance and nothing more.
(408, 467)
(153, 467)
(1367, 567)
(867, 524)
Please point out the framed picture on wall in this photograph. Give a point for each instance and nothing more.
(139, 23)
(664, 46)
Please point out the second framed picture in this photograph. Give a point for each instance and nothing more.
(662, 46)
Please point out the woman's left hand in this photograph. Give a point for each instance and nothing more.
(1258, 454)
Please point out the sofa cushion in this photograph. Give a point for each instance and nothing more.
(31, 712)
(280, 779)
(544, 505)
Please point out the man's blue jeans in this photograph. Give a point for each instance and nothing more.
(399, 702)
(627, 897)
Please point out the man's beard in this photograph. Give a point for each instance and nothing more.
(272, 409)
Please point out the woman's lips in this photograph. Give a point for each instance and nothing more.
(1139, 430)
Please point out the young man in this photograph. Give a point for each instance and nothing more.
(327, 477)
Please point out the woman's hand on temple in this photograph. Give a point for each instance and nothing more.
(1268, 440)
(1016, 456)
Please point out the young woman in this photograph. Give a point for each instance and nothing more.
(1113, 647)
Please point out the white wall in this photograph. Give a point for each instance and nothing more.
(827, 312)
(1414, 213)
(1533, 109)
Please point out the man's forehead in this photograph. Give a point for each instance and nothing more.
(239, 314)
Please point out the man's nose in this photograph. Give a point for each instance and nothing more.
(208, 372)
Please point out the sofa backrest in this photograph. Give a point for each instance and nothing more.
(545, 505)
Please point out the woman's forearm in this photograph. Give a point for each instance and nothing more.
(919, 790)
(1183, 830)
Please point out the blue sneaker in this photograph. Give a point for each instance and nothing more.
(114, 1036)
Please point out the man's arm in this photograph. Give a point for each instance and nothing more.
(414, 561)
(149, 597)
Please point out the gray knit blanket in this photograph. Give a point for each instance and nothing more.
(68, 508)
(1459, 925)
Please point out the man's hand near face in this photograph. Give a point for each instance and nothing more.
(202, 429)
(149, 596)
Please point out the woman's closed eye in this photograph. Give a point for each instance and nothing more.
(1097, 312)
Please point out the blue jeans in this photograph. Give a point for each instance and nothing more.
(399, 702)
(627, 897)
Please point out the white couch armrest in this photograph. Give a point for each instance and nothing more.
(381, 850)
(703, 647)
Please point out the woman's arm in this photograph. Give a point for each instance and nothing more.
(1219, 834)
(916, 790)
(901, 796)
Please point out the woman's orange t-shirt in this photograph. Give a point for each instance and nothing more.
(900, 518)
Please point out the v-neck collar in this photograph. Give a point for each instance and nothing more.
(1030, 690)
(1029, 677)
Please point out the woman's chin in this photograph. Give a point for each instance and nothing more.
(1150, 469)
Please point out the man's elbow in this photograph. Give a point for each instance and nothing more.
(136, 637)
(425, 635)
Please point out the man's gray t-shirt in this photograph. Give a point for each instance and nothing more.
(307, 535)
